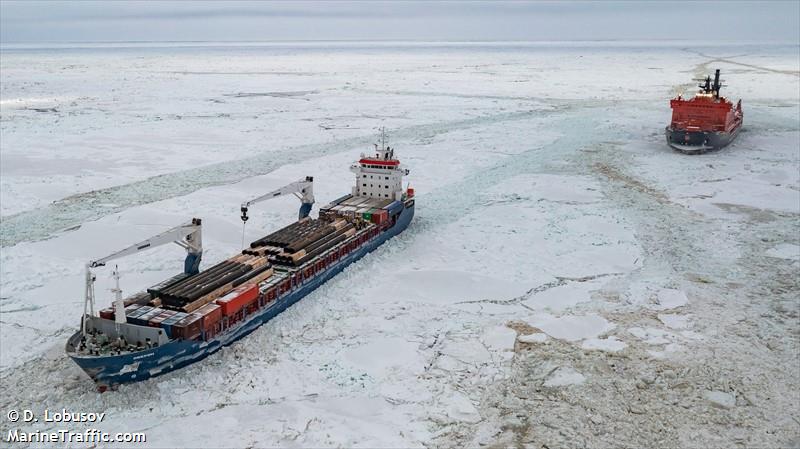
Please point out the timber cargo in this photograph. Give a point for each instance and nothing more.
(191, 315)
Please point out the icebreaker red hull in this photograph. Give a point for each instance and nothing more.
(706, 122)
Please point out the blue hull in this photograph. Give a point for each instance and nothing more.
(112, 370)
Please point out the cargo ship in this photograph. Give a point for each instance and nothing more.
(195, 313)
(705, 122)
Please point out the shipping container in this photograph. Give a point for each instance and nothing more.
(175, 318)
(133, 313)
(129, 309)
(253, 306)
(158, 319)
(171, 321)
(380, 216)
(144, 319)
(284, 286)
(188, 328)
(107, 313)
(238, 298)
(211, 313)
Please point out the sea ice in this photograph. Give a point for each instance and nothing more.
(572, 328)
(564, 376)
(610, 344)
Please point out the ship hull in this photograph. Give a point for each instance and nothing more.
(698, 142)
(113, 370)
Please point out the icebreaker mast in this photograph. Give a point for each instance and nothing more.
(188, 236)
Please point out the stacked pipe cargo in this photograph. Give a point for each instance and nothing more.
(260, 271)
(195, 291)
(306, 248)
(297, 243)
(141, 298)
(305, 228)
(202, 283)
(153, 291)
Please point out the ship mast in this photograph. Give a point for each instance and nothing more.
(717, 84)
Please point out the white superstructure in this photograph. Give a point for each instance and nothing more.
(380, 175)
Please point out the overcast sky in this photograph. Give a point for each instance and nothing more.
(70, 21)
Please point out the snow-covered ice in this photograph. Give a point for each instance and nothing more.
(611, 344)
(567, 278)
(564, 376)
(538, 337)
(785, 251)
(572, 328)
(674, 321)
(669, 298)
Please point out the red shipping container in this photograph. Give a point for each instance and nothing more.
(211, 313)
(238, 298)
(188, 328)
(252, 307)
(107, 314)
(380, 216)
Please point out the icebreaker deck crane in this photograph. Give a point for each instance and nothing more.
(188, 236)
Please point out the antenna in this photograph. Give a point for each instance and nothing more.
(706, 86)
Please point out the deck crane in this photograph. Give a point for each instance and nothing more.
(188, 236)
(303, 189)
